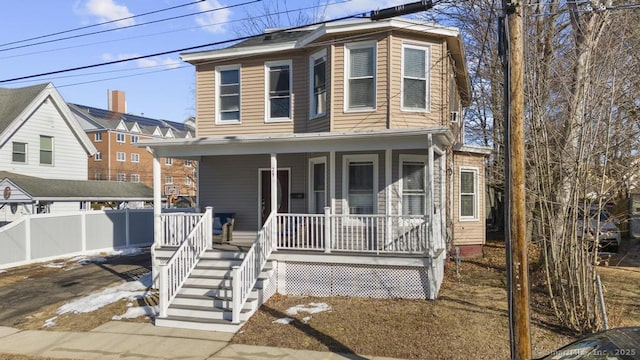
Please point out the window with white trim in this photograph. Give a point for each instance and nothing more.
(360, 182)
(134, 139)
(278, 85)
(415, 75)
(413, 184)
(188, 163)
(168, 180)
(187, 181)
(97, 175)
(468, 194)
(135, 157)
(120, 137)
(19, 152)
(318, 84)
(317, 186)
(46, 150)
(134, 178)
(121, 177)
(98, 156)
(120, 156)
(168, 161)
(97, 136)
(360, 76)
(228, 90)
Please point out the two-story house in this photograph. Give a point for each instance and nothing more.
(115, 134)
(338, 149)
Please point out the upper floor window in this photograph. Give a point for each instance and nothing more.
(98, 156)
(187, 163)
(19, 152)
(360, 76)
(228, 90)
(134, 139)
(135, 178)
(135, 157)
(318, 83)
(278, 90)
(46, 150)
(168, 161)
(187, 181)
(468, 194)
(120, 156)
(415, 73)
(97, 136)
(121, 177)
(168, 180)
(120, 137)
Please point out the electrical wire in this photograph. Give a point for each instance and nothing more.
(100, 24)
(130, 26)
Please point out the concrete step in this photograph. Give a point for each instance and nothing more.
(198, 324)
(200, 312)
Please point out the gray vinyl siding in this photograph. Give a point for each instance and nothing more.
(70, 161)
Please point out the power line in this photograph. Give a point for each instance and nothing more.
(129, 26)
(173, 51)
(99, 24)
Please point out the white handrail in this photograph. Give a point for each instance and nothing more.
(176, 270)
(245, 276)
(176, 227)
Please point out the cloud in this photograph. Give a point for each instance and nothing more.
(145, 62)
(108, 10)
(212, 21)
(358, 6)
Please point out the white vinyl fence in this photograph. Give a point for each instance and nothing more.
(40, 237)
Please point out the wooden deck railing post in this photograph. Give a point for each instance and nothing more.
(327, 230)
(209, 214)
(164, 290)
(235, 295)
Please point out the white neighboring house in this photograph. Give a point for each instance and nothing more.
(40, 137)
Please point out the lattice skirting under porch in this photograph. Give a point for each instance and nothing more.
(375, 281)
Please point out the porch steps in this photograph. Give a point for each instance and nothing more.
(204, 301)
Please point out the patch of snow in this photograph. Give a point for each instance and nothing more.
(285, 321)
(55, 265)
(311, 308)
(50, 322)
(134, 312)
(126, 252)
(3, 271)
(306, 319)
(130, 290)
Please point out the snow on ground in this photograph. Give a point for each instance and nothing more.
(130, 290)
(50, 322)
(134, 312)
(55, 265)
(284, 321)
(311, 308)
(3, 271)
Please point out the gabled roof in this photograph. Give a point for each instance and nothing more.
(36, 188)
(18, 104)
(278, 40)
(111, 120)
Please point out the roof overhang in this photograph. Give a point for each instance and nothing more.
(395, 139)
(474, 149)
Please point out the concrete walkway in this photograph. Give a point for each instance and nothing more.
(132, 341)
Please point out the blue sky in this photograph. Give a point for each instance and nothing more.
(159, 87)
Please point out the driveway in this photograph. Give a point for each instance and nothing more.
(38, 288)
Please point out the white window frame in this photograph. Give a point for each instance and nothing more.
(312, 198)
(134, 139)
(411, 158)
(135, 157)
(312, 102)
(98, 156)
(168, 161)
(346, 160)
(476, 201)
(52, 150)
(97, 136)
(121, 138)
(168, 180)
(121, 177)
(134, 178)
(187, 181)
(427, 64)
(219, 69)
(267, 102)
(26, 152)
(347, 69)
(188, 163)
(121, 156)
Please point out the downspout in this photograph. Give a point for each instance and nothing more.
(389, 41)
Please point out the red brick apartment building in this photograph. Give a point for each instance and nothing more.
(115, 133)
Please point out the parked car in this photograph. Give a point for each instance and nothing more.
(608, 235)
(612, 344)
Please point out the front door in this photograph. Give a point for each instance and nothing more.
(265, 193)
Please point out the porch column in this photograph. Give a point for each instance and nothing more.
(388, 159)
(332, 180)
(274, 183)
(429, 197)
(157, 221)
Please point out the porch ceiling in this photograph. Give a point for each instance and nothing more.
(396, 139)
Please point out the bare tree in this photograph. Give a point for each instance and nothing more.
(278, 14)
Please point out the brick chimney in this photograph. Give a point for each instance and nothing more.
(117, 102)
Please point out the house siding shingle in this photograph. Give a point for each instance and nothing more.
(468, 232)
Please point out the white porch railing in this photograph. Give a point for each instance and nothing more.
(176, 270)
(353, 233)
(176, 227)
(245, 276)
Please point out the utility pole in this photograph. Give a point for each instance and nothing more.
(512, 49)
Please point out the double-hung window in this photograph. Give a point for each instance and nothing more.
(97, 136)
(121, 156)
(360, 183)
(278, 90)
(318, 84)
(413, 175)
(120, 137)
(360, 76)
(135, 157)
(121, 177)
(135, 178)
(19, 152)
(98, 156)
(134, 139)
(415, 75)
(228, 90)
(46, 150)
(468, 194)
